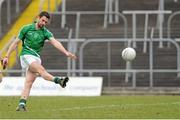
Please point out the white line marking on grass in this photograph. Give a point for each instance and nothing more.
(121, 106)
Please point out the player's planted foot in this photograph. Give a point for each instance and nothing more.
(21, 108)
(22, 105)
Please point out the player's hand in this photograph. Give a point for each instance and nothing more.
(4, 62)
(71, 55)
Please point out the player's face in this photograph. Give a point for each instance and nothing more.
(43, 21)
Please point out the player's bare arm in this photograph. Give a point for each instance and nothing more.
(12, 47)
(60, 47)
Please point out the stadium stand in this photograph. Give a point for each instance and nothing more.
(92, 28)
(14, 13)
(95, 54)
(27, 16)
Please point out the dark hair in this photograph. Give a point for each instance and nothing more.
(44, 13)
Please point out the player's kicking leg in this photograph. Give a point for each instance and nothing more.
(61, 81)
(38, 68)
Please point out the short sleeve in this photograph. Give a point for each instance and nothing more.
(22, 33)
(48, 34)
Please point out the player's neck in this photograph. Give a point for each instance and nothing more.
(37, 26)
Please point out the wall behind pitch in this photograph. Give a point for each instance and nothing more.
(77, 86)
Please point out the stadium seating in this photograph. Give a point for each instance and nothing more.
(14, 15)
(91, 27)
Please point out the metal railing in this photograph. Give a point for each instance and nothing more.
(134, 14)
(78, 18)
(120, 71)
(70, 69)
(111, 6)
(48, 4)
(108, 9)
(1, 1)
(171, 17)
(133, 72)
(146, 13)
(8, 12)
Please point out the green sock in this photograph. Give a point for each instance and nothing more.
(56, 80)
(22, 102)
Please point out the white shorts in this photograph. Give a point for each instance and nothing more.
(26, 60)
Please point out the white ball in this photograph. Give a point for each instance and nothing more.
(128, 54)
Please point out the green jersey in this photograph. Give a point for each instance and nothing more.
(33, 39)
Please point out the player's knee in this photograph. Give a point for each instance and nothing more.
(41, 71)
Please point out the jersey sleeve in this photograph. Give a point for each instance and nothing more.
(48, 34)
(22, 33)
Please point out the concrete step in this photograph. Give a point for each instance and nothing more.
(14, 15)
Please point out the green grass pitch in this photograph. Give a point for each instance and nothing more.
(103, 107)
